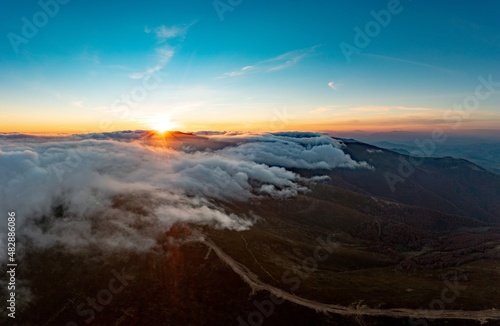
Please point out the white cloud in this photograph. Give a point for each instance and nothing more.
(109, 184)
(388, 108)
(332, 85)
(120, 191)
(163, 33)
(295, 150)
(78, 103)
(283, 61)
(99, 176)
(323, 109)
(164, 53)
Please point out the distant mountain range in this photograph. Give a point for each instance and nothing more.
(481, 147)
(453, 186)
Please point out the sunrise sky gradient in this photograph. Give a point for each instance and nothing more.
(255, 66)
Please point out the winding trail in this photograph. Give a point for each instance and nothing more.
(257, 285)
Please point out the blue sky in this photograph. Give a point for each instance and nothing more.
(266, 65)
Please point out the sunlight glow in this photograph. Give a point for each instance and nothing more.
(162, 123)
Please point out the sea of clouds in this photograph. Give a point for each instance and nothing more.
(122, 190)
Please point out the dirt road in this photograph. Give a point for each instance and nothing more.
(257, 285)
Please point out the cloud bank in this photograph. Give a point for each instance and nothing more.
(121, 190)
(302, 150)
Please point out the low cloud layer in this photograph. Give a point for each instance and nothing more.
(303, 150)
(122, 190)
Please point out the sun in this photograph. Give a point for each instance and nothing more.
(162, 123)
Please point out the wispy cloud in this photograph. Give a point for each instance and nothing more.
(371, 110)
(164, 53)
(323, 109)
(283, 61)
(89, 56)
(416, 63)
(388, 108)
(240, 72)
(78, 103)
(332, 85)
(163, 33)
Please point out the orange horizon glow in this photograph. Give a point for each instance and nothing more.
(258, 127)
(322, 118)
